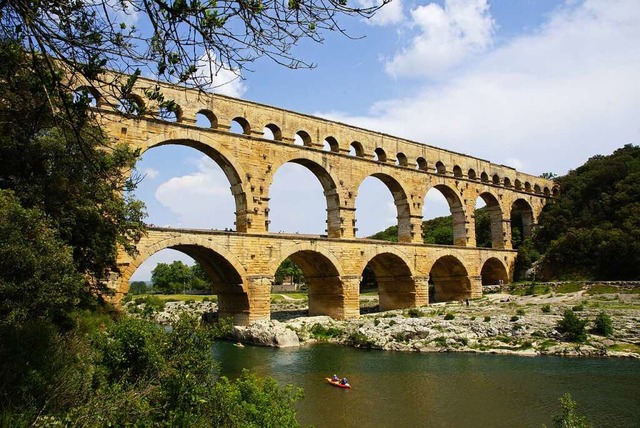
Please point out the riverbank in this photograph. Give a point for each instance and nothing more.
(498, 323)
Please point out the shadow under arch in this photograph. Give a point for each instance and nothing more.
(450, 280)
(494, 272)
(396, 285)
(226, 274)
(495, 218)
(231, 169)
(522, 221)
(330, 191)
(401, 202)
(457, 213)
(323, 277)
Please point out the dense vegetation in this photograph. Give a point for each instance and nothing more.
(593, 230)
(67, 358)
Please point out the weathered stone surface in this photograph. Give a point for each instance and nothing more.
(267, 333)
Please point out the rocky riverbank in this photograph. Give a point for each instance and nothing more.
(496, 323)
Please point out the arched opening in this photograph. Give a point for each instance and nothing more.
(187, 184)
(401, 160)
(272, 132)
(496, 179)
(449, 280)
(394, 282)
(170, 114)
(240, 125)
(527, 186)
(507, 182)
(323, 283)
(206, 119)
(87, 95)
(381, 217)
(302, 138)
(521, 222)
(356, 149)
(303, 199)
(421, 164)
(380, 155)
(484, 177)
(440, 168)
(536, 188)
(517, 184)
(555, 191)
(488, 222)
(330, 144)
(472, 174)
(443, 217)
(547, 192)
(132, 105)
(457, 171)
(193, 270)
(494, 272)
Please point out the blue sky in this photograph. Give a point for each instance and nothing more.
(540, 85)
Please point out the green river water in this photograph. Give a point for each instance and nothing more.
(398, 389)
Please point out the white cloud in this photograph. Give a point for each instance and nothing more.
(218, 79)
(447, 36)
(201, 199)
(391, 13)
(150, 173)
(543, 102)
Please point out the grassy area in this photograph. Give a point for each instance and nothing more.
(181, 297)
(610, 289)
(625, 347)
(570, 287)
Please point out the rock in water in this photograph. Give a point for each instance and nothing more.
(267, 333)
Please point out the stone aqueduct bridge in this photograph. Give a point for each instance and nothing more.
(242, 264)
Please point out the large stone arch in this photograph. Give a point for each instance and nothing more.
(229, 165)
(400, 200)
(457, 212)
(396, 284)
(494, 272)
(323, 276)
(226, 273)
(329, 187)
(450, 280)
(522, 216)
(496, 219)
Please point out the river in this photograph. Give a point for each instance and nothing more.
(398, 389)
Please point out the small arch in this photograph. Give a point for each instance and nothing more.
(206, 119)
(517, 184)
(396, 286)
(484, 177)
(457, 215)
(536, 188)
(380, 155)
(472, 174)
(457, 171)
(449, 279)
(302, 138)
(546, 191)
(272, 132)
(401, 159)
(132, 105)
(492, 214)
(440, 168)
(555, 191)
(87, 95)
(170, 114)
(495, 179)
(331, 145)
(494, 272)
(521, 222)
(507, 182)
(356, 149)
(527, 186)
(421, 164)
(240, 125)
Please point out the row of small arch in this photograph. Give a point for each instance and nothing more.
(207, 119)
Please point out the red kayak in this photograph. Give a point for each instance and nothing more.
(338, 384)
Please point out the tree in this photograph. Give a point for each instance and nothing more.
(569, 417)
(171, 278)
(289, 269)
(138, 287)
(180, 41)
(572, 326)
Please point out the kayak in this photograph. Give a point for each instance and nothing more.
(337, 383)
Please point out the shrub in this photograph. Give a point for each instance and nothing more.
(578, 308)
(546, 308)
(569, 416)
(520, 311)
(603, 324)
(572, 326)
(319, 331)
(360, 340)
(376, 321)
(414, 313)
(449, 316)
(515, 318)
(487, 318)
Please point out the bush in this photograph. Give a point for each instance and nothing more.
(578, 308)
(487, 318)
(572, 326)
(515, 318)
(414, 313)
(520, 311)
(569, 417)
(360, 340)
(319, 331)
(449, 316)
(603, 324)
(546, 308)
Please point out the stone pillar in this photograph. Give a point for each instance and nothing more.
(422, 290)
(497, 227)
(476, 286)
(396, 292)
(347, 216)
(506, 234)
(327, 297)
(259, 298)
(411, 230)
(464, 232)
(351, 288)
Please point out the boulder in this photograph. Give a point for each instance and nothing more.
(267, 333)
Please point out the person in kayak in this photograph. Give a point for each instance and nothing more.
(334, 378)
(344, 381)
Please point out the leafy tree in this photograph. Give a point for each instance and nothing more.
(569, 417)
(171, 278)
(603, 324)
(572, 326)
(199, 279)
(483, 228)
(138, 287)
(289, 269)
